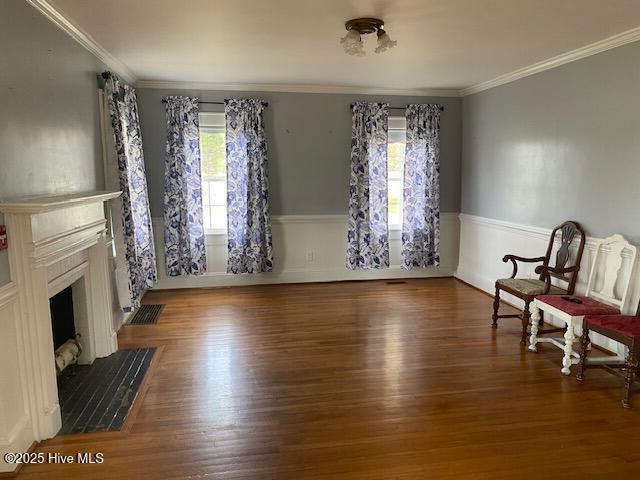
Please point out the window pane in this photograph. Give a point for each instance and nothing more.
(214, 178)
(206, 214)
(395, 154)
(206, 192)
(395, 202)
(212, 152)
(395, 166)
(219, 218)
(218, 192)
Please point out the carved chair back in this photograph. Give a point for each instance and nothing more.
(611, 271)
(569, 231)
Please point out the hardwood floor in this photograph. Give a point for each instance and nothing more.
(359, 380)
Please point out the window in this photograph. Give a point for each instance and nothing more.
(395, 169)
(214, 172)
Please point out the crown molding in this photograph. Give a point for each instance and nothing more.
(49, 10)
(296, 88)
(609, 43)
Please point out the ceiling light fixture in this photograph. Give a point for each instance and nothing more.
(352, 41)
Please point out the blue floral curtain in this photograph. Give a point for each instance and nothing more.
(367, 230)
(139, 250)
(183, 222)
(250, 247)
(421, 213)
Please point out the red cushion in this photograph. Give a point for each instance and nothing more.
(627, 325)
(589, 306)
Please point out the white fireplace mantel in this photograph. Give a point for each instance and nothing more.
(54, 241)
(46, 203)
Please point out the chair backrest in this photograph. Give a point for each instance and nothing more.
(612, 270)
(568, 232)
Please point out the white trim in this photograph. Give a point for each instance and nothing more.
(298, 88)
(67, 279)
(609, 43)
(311, 219)
(19, 439)
(504, 225)
(46, 203)
(8, 294)
(590, 244)
(83, 38)
(15, 432)
(220, 237)
(315, 219)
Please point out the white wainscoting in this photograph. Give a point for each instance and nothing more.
(15, 425)
(309, 248)
(483, 243)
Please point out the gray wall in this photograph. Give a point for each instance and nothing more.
(561, 144)
(309, 137)
(49, 119)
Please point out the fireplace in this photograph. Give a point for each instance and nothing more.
(59, 255)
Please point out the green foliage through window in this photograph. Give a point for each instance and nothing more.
(212, 152)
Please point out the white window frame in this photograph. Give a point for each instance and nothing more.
(215, 122)
(397, 127)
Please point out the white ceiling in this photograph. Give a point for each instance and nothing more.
(442, 44)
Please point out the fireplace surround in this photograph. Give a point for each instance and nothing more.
(54, 242)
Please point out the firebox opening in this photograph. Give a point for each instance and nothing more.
(62, 318)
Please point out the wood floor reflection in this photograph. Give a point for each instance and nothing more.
(358, 380)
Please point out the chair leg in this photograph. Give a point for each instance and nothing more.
(541, 321)
(631, 367)
(584, 351)
(535, 318)
(496, 306)
(526, 317)
(569, 338)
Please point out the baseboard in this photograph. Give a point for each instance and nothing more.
(487, 285)
(20, 440)
(125, 318)
(484, 292)
(302, 276)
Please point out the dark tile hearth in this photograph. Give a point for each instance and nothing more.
(97, 397)
(147, 314)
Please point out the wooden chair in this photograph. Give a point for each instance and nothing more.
(621, 328)
(527, 289)
(606, 294)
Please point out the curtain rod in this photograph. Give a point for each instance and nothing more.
(265, 104)
(404, 108)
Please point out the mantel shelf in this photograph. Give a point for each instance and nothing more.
(45, 203)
